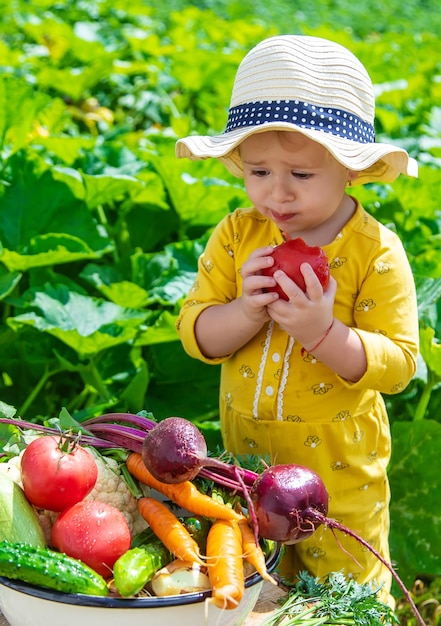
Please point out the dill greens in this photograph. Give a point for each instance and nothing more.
(337, 601)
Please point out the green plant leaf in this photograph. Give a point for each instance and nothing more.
(86, 324)
(415, 480)
(107, 280)
(430, 350)
(65, 148)
(47, 250)
(428, 294)
(133, 396)
(103, 189)
(201, 192)
(121, 380)
(162, 330)
(20, 107)
(40, 216)
(161, 277)
(8, 282)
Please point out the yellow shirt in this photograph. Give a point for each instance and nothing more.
(277, 400)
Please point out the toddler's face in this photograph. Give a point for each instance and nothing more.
(294, 181)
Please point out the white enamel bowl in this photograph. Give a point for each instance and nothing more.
(23, 604)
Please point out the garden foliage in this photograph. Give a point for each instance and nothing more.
(101, 227)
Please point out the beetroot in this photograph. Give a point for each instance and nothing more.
(174, 450)
(282, 497)
(290, 502)
(290, 255)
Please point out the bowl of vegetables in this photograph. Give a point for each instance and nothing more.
(68, 556)
(27, 604)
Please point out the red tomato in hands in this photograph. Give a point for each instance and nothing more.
(290, 255)
(56, 473)
(93, 532)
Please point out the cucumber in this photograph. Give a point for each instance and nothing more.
(18, 519)
(48, 568)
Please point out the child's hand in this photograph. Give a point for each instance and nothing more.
(254, 299)
(223, 329)
(305, 316)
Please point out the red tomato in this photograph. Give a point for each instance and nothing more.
(290, 255)
(56, 474)
(93, 532)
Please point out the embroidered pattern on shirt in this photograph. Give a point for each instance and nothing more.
(316, 552)
(312, 441)
(365, 305)
(339, 465)
(342, 416)
(229, 249)
(366, 486)
(338, 261)
(358, 436)
(308, 357)
(250, 442)
(397, 387)
(382, 267)
(228, 401)
(208, 265)
(321, 388)
(379, 506)
(246, 371)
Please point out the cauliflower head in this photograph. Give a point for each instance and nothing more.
(111, 488)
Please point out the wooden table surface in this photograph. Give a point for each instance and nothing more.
(265, 605)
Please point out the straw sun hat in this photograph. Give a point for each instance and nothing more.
(312, 86)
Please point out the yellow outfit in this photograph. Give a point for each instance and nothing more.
(278, 400)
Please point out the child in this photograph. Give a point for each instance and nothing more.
(302, 379)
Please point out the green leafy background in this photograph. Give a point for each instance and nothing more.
(101, 227)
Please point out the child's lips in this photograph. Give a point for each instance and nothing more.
(282, 217)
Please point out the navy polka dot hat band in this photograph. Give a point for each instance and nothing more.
(309, 85)
(304, 115)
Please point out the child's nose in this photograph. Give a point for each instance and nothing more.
(281, 190)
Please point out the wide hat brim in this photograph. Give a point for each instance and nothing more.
(309, 85)
(374, 162)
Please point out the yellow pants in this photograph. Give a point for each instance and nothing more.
(351, 460)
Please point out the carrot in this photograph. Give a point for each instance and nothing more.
(224, 557)
(253, 553)
(184, 494)
(169, 530)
